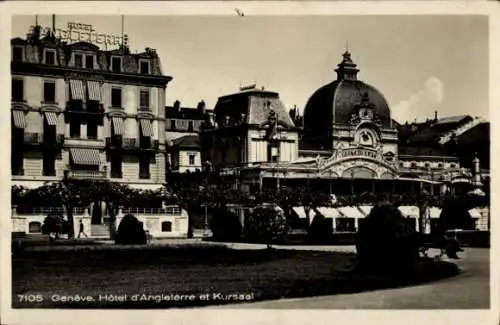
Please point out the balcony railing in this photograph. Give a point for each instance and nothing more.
(31, 138)
(114, 142)
(47, 210)
(88, 174)
(132, 144)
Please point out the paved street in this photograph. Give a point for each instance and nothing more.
(470, 290)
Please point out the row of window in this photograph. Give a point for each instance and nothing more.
(49, 94)
(82, 61)
(49, 165)
(427, 165)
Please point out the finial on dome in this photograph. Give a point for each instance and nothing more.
(347, 68)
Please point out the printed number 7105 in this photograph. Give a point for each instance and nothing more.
(30, 298)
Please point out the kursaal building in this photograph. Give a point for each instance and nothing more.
(346, 142)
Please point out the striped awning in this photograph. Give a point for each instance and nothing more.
(51, 118)
(94, 90)
(117, 125)
(84, 156)
(77, 92)
(146, 128)
(19, 119)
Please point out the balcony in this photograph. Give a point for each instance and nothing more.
(148, 144)
(114, 142)
(132, 144)
(33, 139)
(37, 139)
(87, 174)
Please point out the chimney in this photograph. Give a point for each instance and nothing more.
(435, 116)
(202, 107)
(292, 114)
(177, 106)
(211, 118)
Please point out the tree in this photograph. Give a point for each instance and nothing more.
(54, 224)
(267, 224)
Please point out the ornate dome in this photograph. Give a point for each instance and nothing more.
(335, 102)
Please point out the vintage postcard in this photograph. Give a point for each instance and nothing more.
(249, 162)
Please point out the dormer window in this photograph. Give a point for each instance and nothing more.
(144, 67)
(89, 62)
(116, 64)
(49, 56)
(78, 61)
(17, 54)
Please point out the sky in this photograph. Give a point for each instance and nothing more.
(419, 63)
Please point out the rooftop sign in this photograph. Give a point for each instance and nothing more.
(79, 32)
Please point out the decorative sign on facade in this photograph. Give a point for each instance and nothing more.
(78, 32)
(345, 153)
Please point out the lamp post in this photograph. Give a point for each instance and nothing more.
(208, 168)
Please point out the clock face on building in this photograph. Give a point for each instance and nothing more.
(366, 138)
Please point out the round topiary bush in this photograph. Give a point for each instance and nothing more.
(266, 225)
(130, 231)
(385, 241)
(225, 226)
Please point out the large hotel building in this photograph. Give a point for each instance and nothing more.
(93, 113)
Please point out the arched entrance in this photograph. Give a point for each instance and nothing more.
(362, 179)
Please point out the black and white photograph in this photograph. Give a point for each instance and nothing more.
(248, 161)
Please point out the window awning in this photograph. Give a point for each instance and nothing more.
(84, 156)
(76, 87)
(51, 118)
(19, 119)
(146, 128)
(329, 212)
(94, 90)
(350, 212)
(366, 209)
(409, 211)
(117, 125)
(300, 212)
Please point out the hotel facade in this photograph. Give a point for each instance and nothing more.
(91, 113)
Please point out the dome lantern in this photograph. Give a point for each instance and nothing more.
(347, 68)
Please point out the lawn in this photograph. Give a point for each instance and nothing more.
(184, 276)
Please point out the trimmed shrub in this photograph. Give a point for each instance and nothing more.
(385, 242)
(455, 214)
(321, 230)
(130, 231)
(266, 225)
(225, 226)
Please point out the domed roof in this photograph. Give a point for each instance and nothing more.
(334, 103)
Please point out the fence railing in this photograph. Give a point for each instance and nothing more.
(47, 210)
(93, 174)
(168, 210)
